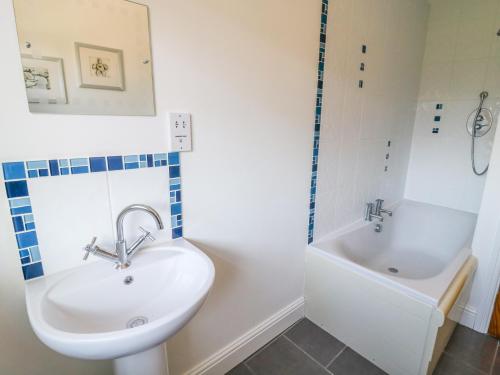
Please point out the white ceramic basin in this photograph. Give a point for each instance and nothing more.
(90, 312)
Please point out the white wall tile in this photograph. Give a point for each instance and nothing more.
(440, 167)
(69, 211)
(468, 78)
(492, 82)
(454, 116)
(475, 33)
(436, 80)
(149, 186)
(374, 120)
(444, 12)
(495, 44)
(357, 123)
(441, 43)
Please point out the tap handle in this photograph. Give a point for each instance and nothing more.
(89, 248)
(147, 234)
(369, 211)
(378, 205)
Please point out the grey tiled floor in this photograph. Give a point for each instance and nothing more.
(305, 349)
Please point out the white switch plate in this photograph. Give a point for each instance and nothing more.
(180, 132)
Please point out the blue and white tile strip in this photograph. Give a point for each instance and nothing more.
(317, 121)
(16, 176)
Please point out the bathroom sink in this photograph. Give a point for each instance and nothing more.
(97, 312)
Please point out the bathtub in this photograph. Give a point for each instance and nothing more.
(394, 296)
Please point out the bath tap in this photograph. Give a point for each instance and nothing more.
(370, 213)
(123, 254)
(379, 210)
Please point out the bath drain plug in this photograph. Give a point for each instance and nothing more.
(137, 322)
(393, 270)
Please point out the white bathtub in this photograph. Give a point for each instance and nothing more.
(427, 245)
(399, 320)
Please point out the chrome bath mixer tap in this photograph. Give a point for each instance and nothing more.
(375, 211)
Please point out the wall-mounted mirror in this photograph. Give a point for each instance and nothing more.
(86, 56)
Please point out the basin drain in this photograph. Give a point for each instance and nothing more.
(393, 270)
(137, 322)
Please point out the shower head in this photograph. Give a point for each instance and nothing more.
(483, 95)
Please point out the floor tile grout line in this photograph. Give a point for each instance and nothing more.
(336, 356)
(249, 368)
(489, 371)
(285, 333)
(292, 326)
(261, 349)
(272, 341)
(464, 363)
(308, 355)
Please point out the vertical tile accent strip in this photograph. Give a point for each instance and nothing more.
(15, 176)
(317, 121)
(175, 194)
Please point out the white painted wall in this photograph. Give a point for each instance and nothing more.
(462, 58)
(246, 71)
(52, 27)
(358, 123)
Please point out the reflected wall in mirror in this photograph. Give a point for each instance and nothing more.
(86, 57)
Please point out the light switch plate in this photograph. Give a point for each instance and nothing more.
(180, 132)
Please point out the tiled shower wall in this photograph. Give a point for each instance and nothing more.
(370, 91)
(462, 58)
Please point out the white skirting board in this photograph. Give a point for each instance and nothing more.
(468, 317)
(245, 345)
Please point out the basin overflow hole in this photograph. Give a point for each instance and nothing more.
(137, 322)
(128, 280)
(393, 270)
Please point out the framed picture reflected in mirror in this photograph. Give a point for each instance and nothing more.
(100, 67)
(44, 79)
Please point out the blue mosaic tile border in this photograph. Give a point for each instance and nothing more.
(317, 121)
(16, 175)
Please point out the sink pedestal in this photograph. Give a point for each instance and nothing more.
(151, 362)
(136, 309)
